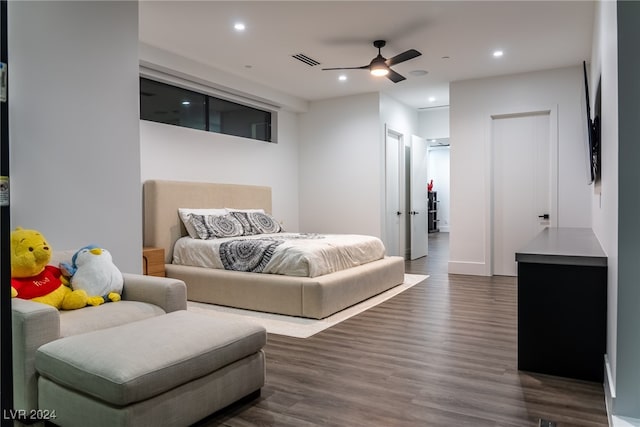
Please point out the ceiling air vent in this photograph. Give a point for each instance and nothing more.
(304, 58)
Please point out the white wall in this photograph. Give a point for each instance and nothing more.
(433, 123)
(398, 116)
(339, 166)
(604, 63)
(75, 156)
(182, 154)
(342, 162)
(472, 104)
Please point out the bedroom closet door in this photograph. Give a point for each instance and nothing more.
(395, 233)
(405, 196)
(524, 183)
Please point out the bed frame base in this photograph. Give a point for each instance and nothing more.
(316, 297)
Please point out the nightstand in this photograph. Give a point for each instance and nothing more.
(153, 261)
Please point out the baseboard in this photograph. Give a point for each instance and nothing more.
(609, 389)
(609, 396)
(617, 421)
(470, 268)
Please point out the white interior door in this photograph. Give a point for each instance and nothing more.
(522, 186)
(418, 211)
(394, 194)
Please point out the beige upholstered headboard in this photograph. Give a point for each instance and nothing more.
(162, 225)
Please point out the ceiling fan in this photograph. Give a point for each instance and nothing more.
(381, 66)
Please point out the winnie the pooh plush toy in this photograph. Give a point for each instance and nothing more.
(93, 271)
(33, 279)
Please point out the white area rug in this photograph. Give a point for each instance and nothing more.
(300, 327)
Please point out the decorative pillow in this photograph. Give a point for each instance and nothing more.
(216, 226)
(242, 217)
(264, 223)
(185, 216)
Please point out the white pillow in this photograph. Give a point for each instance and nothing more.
(244, 210)
(185, 216)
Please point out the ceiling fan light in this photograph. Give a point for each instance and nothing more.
(379, 70)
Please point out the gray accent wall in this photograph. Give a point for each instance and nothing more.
(627, 401)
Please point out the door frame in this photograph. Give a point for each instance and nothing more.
(552, 111)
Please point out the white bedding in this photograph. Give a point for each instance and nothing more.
(291, 254)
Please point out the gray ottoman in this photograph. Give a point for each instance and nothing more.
(169, 370)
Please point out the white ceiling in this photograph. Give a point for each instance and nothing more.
(456, 39)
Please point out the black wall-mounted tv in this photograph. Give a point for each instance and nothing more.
(593, 130)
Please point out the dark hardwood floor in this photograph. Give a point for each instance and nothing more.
(442, 353)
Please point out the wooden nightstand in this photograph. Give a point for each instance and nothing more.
(153, 261)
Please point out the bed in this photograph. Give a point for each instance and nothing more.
(312, 297)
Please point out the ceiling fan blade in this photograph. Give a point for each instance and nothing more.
(347, 68)
(404, 56)
(395, 77)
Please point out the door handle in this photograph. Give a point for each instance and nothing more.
(398, 213)
(544, 216)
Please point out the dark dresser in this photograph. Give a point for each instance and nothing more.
(562, 304)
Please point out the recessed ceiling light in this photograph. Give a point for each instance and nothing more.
(342, 77)
(432, 98)
(186, 103)
(239, 26)
(498, 53)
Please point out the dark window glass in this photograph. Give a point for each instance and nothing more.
(239, 120)
(172, 105)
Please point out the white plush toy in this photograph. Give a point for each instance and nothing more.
(93, 271)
